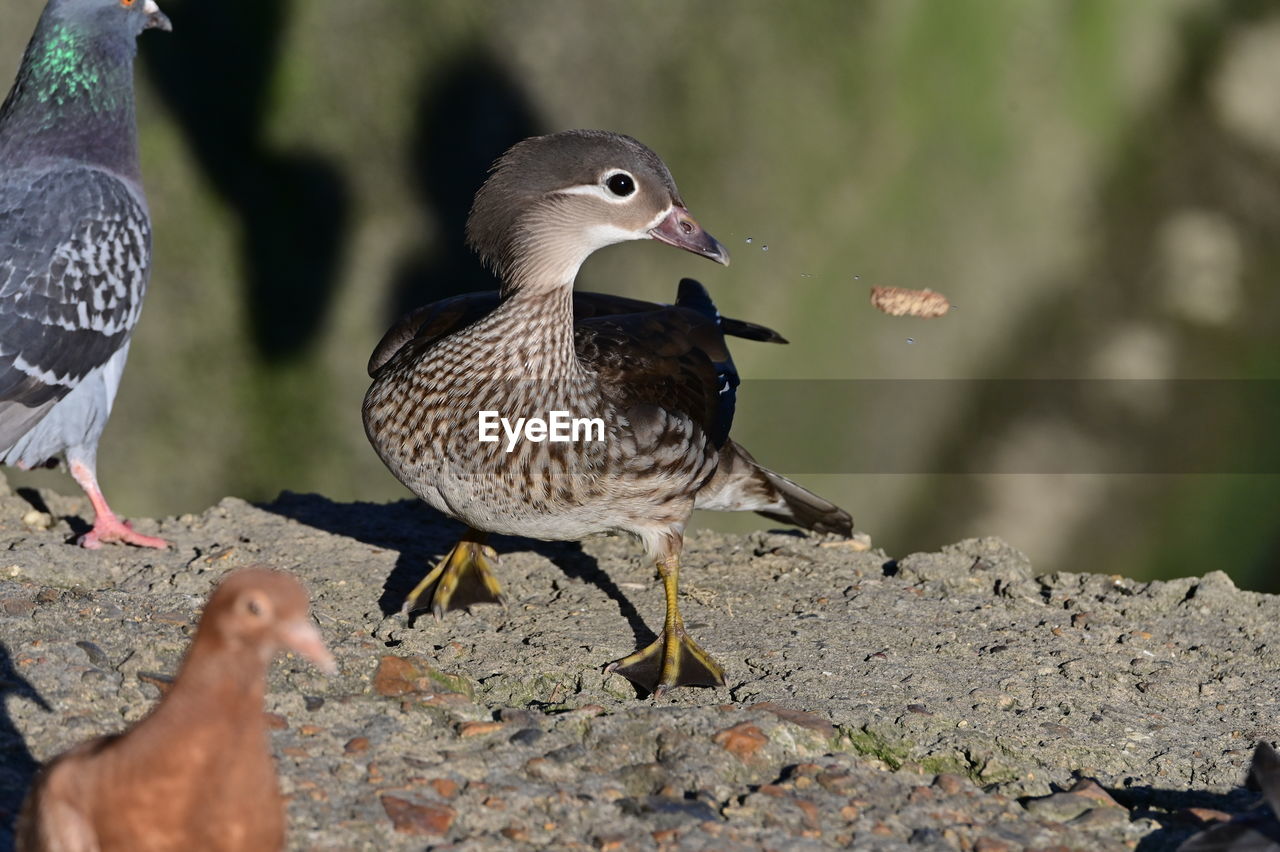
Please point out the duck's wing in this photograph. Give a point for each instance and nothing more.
(440, 319)
(670, 361)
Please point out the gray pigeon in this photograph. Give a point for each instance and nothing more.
(75, 240)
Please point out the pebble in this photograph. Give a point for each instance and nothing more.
(742, 740)
(421, 819)
(37, 520)
(527, 736)
(1059, 807)
(479, 729)
(446, 788)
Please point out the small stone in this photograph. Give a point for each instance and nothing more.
(1091, 789)
(295, 752)
(37, 520)
(1080, 619)
(1206, 815)
(48, 596)
(17, 606)
(446, 788)
(949, 783)
(986, 843)
(850, 812)
(310, 730)
(836, 782)
(395, 676)
(418, 818)
(1101, 818)
(356, 745)
(515, 716)
(919, 709)
(1059, 807)
(610, 842)
(550, 770)
(527, 736)
(276, 722)
(479, 729)
(742, 740)
(920, 794)
(515, 832)
(313, 702)
(407, 675)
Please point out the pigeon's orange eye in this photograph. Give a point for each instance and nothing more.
(127, 3)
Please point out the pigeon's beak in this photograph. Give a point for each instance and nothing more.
(302, 637)
(156, 20)
(679, 229)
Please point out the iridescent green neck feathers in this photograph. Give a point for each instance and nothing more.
(73, 99)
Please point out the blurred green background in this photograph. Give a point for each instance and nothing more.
(1096, 185)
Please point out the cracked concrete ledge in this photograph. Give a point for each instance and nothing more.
(957, 700)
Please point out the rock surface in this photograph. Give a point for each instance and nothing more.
(946, 700)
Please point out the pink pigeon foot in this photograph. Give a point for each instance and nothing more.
(107, 528)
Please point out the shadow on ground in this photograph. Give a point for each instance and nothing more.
(17, 766)
(421, 536)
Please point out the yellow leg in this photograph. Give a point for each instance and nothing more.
(674, 659)
(461, 580)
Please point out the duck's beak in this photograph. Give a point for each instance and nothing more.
(156, 20)
(681, 230)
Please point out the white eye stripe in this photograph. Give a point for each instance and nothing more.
(595, 190)
(600, 190)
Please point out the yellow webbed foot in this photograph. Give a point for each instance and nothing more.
(674, 659)
(461, 580)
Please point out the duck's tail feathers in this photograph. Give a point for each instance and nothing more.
(741, 484)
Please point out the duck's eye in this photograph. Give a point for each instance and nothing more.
(620, 184)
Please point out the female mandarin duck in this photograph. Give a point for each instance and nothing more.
(659, 377)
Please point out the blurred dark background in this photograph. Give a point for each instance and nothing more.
(1095, 184)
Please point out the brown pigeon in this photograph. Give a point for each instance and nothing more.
(197, 772)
